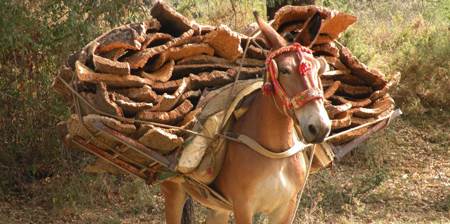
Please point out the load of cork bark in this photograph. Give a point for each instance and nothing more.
(157, 71)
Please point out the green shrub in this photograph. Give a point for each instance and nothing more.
(37, 37)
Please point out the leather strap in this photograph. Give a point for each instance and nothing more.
(251, 143)
(306, 96)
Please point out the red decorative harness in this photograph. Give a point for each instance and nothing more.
(312, 83)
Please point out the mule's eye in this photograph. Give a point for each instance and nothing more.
(284, 71)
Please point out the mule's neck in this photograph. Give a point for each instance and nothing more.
(271, 127)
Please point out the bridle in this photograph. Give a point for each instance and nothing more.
(273, 87)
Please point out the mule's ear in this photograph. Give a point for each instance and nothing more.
(274, 39)
(310, 31)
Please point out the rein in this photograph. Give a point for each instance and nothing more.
(273, 87)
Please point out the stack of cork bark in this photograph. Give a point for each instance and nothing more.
(156, 72)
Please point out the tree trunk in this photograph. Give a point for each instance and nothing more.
(273, 5)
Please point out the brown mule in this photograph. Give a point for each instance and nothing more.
(254, 183)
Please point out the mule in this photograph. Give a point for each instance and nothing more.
(254, 183)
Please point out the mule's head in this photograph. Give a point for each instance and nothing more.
(293, 79)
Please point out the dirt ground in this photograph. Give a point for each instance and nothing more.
(402, 175)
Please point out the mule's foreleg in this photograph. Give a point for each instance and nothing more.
(284, 214)
(174, 199)
(243, 213)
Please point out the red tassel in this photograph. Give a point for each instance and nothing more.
(267, 88)
(304, 68)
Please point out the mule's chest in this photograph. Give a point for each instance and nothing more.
(281, 185)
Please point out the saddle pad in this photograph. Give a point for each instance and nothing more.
(217, 112)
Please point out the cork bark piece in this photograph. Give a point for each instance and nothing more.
(349, 79)
(379, 93)
(85, 55)
(343, 120)
(105, 103)
(290, 18)
(166, 87)
(371, 76)
(172, 117)
(354, 103)
(298, 14)
(160, 140)
(85, 74)
(90, 98)
(163, 74)
(184, 51)
(140, 58)
(257, 41)
(356, 121)
(114, 54)
(354, 90)
(382, 92)
(142, 94)
(256, 52)
(288, 28)
(129, 106)
(344, 138)
(191, 95)
(378, 107)
(197, 82)
(187, 123)
(128, 36)
(334, 110)
(124, 128)
(183, 70)
(105, 65)
(225, 42)
(334, 26)
(331, 90)
(203, 59)
(247, 72)
(336, 63)
(171, 21)
(155, 39)
(327, 82)
(207, 59)
(323, 38)
(168, 102)
(212, 79)
(327, 49)
(250, 62)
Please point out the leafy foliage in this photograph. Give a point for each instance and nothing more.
(37, 37)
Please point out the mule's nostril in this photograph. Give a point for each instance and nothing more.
(312, 129)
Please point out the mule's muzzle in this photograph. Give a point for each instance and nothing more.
(314, 122)
(316, 133)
